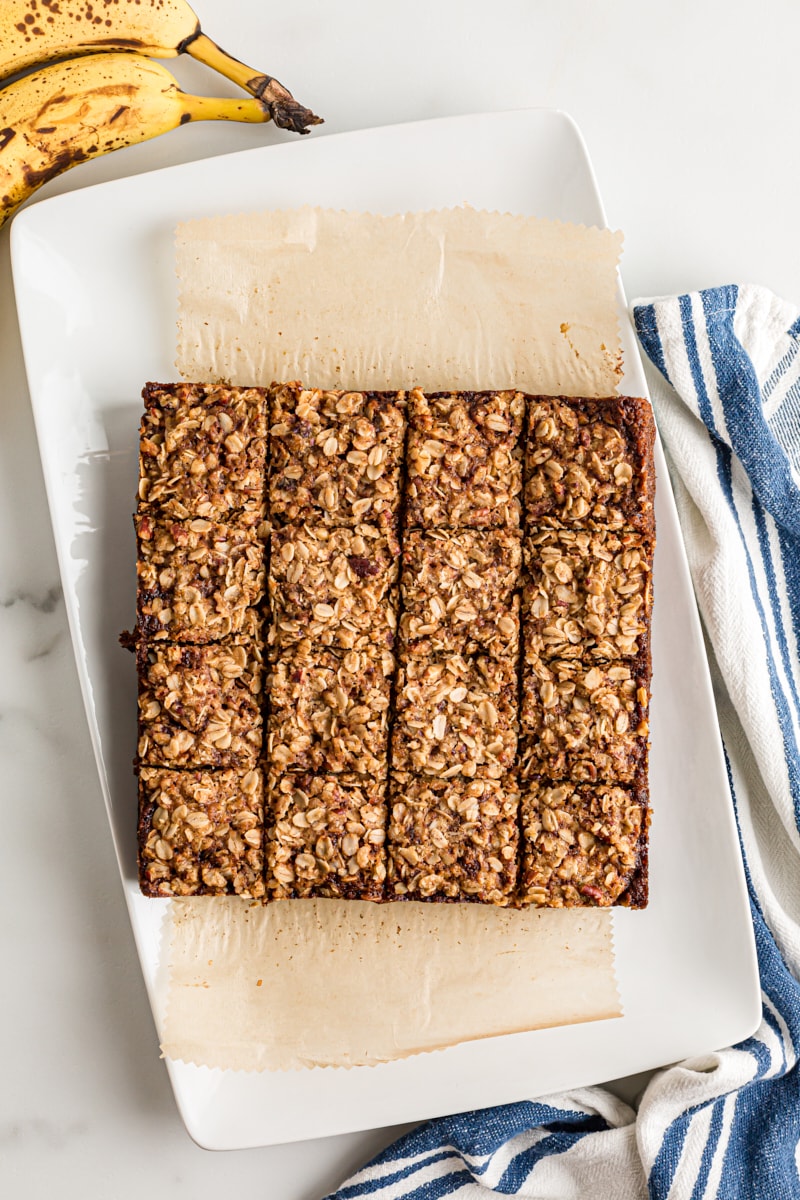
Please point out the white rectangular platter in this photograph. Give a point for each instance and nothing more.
(96, 296)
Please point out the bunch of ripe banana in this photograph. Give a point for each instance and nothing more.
(108, 93)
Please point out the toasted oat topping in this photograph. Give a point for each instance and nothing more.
(201, 833)
(456, 716)
(587, 594)
(198, 581)
(458, 592)
(330, 714)
(327, 838)
(335, 457)
(580, 843)
(453, 839)
(584, 721)
(334, 490)
(202, 452)
(464, 459)
(333, 587)
(589, 462)
(200, 706)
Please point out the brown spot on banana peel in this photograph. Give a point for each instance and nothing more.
(120, 43)
(60, 162)
(5, 137)
(124, 90)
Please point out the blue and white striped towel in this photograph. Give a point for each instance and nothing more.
(725, 1125)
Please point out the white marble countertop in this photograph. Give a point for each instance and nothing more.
(688, 112)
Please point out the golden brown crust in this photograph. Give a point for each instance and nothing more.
(336, 496)
(200, 706)
(202, 452)
(584, 721)
(335, 456)
(330, 715)
(453, 839)
(334, 587)
(456, 716)
(637, 893)
(198, 581)
(589, 463)
(201, 833)
(327, 837)
(458, 592)
(582, 844)
(587, 597)
(464, 460)
(587, 594)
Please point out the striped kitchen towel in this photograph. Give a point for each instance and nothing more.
(727, 398)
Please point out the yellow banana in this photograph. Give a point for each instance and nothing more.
(64, 114)
(42, 31)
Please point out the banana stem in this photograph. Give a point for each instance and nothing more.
(217, 108)
(285, 111)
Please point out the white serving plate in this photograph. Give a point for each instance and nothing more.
(96, 296)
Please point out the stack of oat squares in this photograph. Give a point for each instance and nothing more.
(335, 492)
(200, 531)
(586, 609)
(453, 833)
(452, 665)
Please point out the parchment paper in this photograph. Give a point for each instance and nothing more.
(342, 983)
(450, 299)
(440, 300)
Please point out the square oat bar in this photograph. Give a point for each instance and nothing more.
(464, 459)
(456, 716)
(333, 588)
(198, 581)
(584, 721)
(583, 845)
(330, 715)
(586, 594)
(335, 457)
(199, 706)
(590, 463)
(327, 837)
(458, 593)
(202, 450)
(452, 839)
(201, 833)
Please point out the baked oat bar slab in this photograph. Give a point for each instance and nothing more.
(330, 714)
(452, 839)
(335, 457)
(583, 845)
(586, 594)
(333, 587)
(590, 463)
(199, 706)
(327, 837)
(458, 592)
(584, 721)
(202, 451)
(201, 833)
(456, 716)
(198, 581)
(464, 459)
